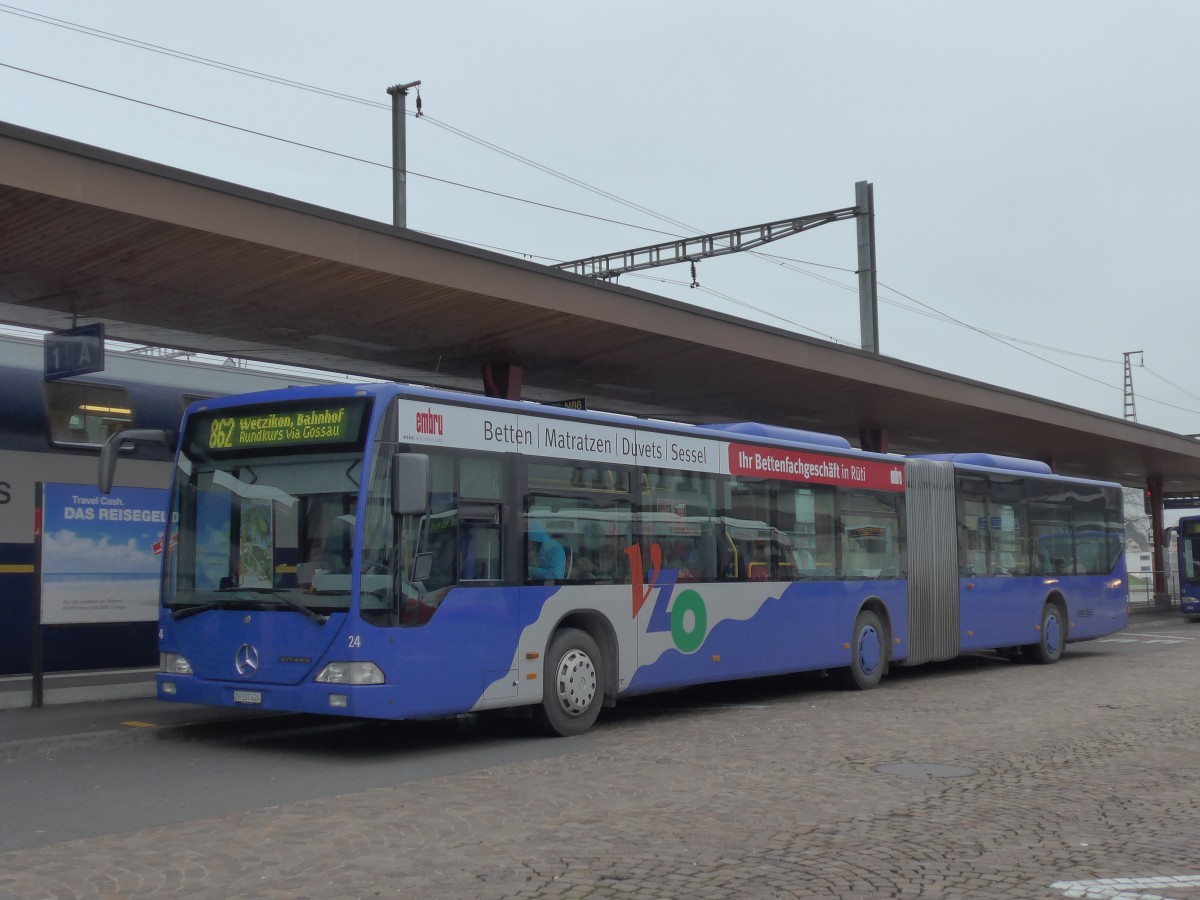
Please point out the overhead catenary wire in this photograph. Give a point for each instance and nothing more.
(1167, 381)
(791, 265)
(347, 156)
(299, 85)
(742, 303)
(936, 313)
(275, 79)
(182, 55)
(783, 261)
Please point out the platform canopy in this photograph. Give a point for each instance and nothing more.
(167, 257)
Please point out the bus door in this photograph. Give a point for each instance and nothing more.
(1188, 554)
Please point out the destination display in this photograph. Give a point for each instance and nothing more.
(259, 428)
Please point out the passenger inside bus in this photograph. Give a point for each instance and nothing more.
(758, 569)
(547, 556)
(685, 558)
(753, 560)
(599, 566)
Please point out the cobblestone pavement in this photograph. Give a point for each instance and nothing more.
(1083, 771)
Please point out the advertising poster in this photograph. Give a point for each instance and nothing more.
(101, 553)
(257, 544)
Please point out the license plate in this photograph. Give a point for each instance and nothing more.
(252, 697)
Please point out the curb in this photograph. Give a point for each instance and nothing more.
(1157, 619)
(63, 696)
(61, 688)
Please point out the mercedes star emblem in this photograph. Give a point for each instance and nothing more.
(246, 659)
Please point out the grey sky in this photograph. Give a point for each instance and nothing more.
(1032, 161)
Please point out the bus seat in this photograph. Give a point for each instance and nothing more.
(757, 571)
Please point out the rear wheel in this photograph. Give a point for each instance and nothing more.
(1052, 638)
(868, 654)
(573, 686)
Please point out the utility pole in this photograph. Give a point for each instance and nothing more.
(868, 289)
(1130, 405)
(399, 93)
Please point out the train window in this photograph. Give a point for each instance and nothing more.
(82, 413)
(188, 399)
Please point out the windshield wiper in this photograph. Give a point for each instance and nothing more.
(235, 602)
(317, 617)
(199, 608)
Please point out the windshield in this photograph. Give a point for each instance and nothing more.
(263, 532)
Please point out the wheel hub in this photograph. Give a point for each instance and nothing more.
(1053, 634)
(870, 650)
(575, 684)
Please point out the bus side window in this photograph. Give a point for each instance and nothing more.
(806, 515)
(871, 535)
(479, 541)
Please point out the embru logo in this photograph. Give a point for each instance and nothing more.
(430, 422)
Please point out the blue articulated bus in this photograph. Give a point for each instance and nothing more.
(1188, 558)
(399, 552)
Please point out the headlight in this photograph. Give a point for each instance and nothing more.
(351, 673)
(174, 664)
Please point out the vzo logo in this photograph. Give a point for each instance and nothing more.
(686, 618)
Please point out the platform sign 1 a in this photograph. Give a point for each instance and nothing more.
(76, 351)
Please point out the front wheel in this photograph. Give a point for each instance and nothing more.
(1053, 637)
(573, 686)
(868, 654)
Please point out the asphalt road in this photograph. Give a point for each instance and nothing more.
(974, 778)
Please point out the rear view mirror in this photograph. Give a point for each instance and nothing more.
(112, 447)
(422, 566)
(410, 483)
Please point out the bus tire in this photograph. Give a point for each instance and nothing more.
(868, 654)
(1051, 638)
(573, 686)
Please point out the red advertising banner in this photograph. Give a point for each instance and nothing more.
(815, 468)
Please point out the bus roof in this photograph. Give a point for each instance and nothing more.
(779, 433)
(991, 461)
